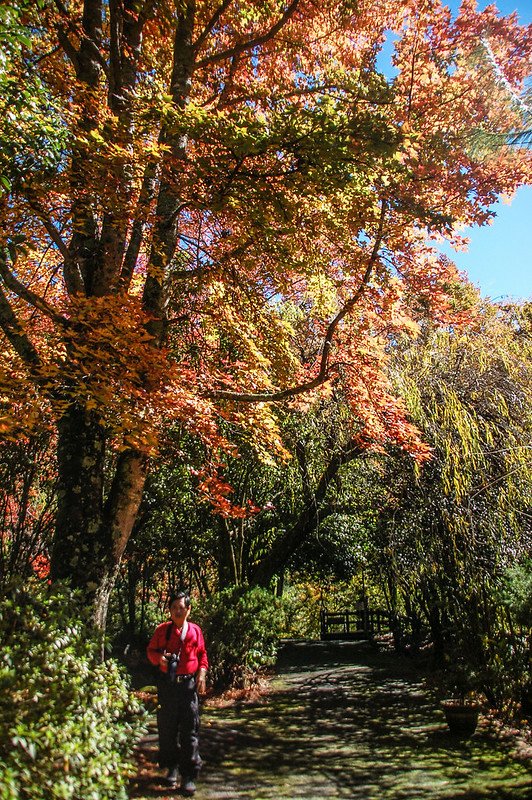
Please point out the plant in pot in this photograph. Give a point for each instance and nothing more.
(463, 699)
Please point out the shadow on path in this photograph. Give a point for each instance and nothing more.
(342, 721)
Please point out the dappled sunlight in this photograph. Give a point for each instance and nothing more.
(350, 723)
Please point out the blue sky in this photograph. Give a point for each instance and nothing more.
(499, 258)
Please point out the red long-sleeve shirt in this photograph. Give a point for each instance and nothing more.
(192, 653)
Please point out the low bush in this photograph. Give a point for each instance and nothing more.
(516, 592)
(301, 605)
(241, 628)
(67, 721)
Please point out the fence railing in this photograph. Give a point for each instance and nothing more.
(359, 624)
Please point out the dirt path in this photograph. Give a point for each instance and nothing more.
(342, 721)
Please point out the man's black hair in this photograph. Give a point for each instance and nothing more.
(178, 596)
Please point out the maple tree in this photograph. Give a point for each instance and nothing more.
(211, 206)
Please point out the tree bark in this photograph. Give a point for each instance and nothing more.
(91, 534)
(77, 554)
(227, 568)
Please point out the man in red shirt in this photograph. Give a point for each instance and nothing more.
(177, 648)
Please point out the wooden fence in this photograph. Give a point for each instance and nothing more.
(359, 624)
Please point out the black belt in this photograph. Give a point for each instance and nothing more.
(184, 677)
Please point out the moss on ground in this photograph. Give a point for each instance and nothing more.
(341, 721)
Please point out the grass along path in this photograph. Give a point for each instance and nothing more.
(342, 721)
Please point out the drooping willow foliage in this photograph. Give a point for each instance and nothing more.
(450, 532)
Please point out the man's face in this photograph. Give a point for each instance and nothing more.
(179, 612)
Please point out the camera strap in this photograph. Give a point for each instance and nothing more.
(184, 631)
(174, 666)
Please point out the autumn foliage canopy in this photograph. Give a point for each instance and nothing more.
(210, 208)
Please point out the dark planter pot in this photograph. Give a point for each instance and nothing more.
(526, 700)
(461, 719)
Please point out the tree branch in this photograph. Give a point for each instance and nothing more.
(15, 333)
(88, 34)
(301, 456)
(324, 371)
(251, 43)
(14, 285)
(223, 102)
(210, 25)
(307, 520)
(52, 231)
(236, 252)
(68, 48)
(115, 55)
(72, 271)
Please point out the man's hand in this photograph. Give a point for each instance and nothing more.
(201, 683)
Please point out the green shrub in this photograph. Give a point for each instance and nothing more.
(67, 721)
(517, 592)
(301, 606)
(241, 628)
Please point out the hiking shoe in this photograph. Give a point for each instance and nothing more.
(188, 787)
(171, 778)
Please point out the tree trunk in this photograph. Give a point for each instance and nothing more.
(91, 534)
(227, 566)
(275, 561)
(78, 552)
(306, 523)
(433, 610)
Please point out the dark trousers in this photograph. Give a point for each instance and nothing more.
(178, 726)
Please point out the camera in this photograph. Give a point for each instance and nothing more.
(172, 666)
